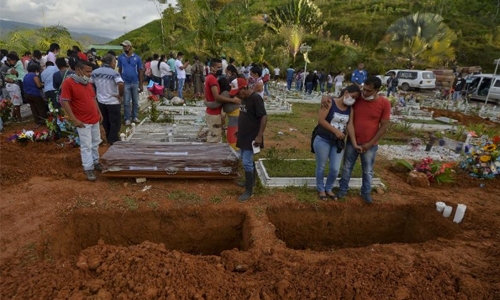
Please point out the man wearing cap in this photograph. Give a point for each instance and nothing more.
(251, 125)
(131, 69)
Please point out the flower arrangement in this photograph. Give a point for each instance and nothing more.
(154, 113)
(435, 172)
(58, 123)
(415, 143)
(5, 109)
(30, 135)
(483, 159)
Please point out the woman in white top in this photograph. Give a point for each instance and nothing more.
(339, 79)
(165, 72)
(329, 82)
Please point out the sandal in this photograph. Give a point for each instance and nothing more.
(323, 197)
(332, 196)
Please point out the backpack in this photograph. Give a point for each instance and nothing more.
(313, 136)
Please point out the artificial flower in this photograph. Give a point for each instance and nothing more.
(490, 147)
(485, 158)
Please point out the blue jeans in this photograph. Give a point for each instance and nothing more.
(289, 84)
(324, 150)
(180, 86)
(391, 89)
(367, 162)
(167, 80)
(266, 91)
(247, 160)
(90, 138)
(131, 94)
(309, 87)
(298, 85)
(457, 95)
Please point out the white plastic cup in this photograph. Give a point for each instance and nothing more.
(447, 211)
(459, 213)
(440, 206)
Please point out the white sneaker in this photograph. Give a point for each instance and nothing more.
(127, 123)
(135, 120)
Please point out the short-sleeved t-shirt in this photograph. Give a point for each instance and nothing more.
(367, 117)
(211, 81)
(106, 81)
(181, 73)
(252, 110)
(81, 99)
(131, 66)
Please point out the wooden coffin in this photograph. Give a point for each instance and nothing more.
(170, 160)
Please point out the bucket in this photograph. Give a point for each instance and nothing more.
(440, 206)
(447, 211)
(459, 213)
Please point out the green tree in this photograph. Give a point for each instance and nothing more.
(421, 38)
(298, 13)
(21, 40)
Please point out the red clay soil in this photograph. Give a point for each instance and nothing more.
(63, 237)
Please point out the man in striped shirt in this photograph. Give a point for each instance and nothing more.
(109, 89)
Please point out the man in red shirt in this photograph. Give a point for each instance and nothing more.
(79, 102)
(371, 119)
(213, 116)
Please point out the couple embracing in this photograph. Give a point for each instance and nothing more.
(361, 115)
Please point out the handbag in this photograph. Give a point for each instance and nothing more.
(266, 78)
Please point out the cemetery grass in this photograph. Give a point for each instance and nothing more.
(63, 237)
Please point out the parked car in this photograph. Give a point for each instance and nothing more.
(416, 79)
(479, 85)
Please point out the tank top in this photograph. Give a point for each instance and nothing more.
(29, 85)
(337, 119)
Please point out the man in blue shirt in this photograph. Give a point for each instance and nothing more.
(132, 72)
(359, 75)
(290, 72)
(47, 77)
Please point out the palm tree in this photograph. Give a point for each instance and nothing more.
(421, 38)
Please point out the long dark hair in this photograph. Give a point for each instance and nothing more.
(162, 57)
(353, 88)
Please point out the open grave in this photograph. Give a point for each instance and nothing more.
(330, 229)
(204, 232)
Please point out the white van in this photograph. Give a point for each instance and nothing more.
(416, 79)
(479, 85)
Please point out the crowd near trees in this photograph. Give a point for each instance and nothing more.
(384, 33)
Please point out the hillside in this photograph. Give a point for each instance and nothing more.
(8, 26)
(475, 23)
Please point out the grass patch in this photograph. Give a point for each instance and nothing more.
(188, 198)
(300, 168)
(131, 203)
(303, 194)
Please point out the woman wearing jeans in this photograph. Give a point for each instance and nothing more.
(334, 122)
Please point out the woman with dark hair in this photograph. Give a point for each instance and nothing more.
(334, 123)
(165, 72)
(33, 92)
(14, 78)
(232, 110)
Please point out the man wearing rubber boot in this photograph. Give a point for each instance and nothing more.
(251, 125)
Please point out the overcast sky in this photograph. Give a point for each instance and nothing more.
(101, 17)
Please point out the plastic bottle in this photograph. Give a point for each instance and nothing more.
(459, 213)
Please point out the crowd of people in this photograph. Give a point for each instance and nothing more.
(93, 90)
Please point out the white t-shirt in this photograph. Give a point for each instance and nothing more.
(339, 79)
(277, 71)
(165, 69)
(181, 74)
(330, 78)
(154, 68)
(188, 69)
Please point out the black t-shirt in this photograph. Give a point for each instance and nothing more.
(252, 109)
(57, 78)
(460, 84)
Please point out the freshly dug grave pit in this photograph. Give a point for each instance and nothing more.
(203, 232)
(332, 228)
